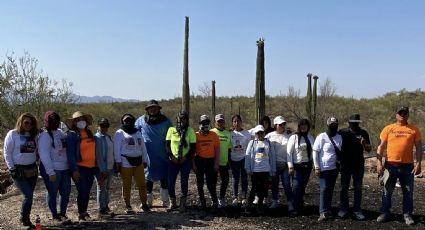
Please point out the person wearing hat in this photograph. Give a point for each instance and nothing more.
(279, 139)
(131, 158)
(105, 162)
(154, 126)
(260, 164)
(54, 167)
(398, 141)
(206, 161)
(81, 151)
(225, 150)
(240, 139)
(300, 161)
(326, 155)
(181, 145)
(355, 141)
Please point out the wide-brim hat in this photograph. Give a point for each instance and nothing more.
(153, 103)
(76, 115)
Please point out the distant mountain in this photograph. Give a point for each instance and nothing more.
(97, 99)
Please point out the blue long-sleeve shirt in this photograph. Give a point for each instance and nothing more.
(251, 152)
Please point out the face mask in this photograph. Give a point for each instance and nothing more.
(81, 124)
(204, 129)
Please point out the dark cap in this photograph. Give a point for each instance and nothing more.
(354, 118)
(103, 121)
(153, 103)
(403, 109)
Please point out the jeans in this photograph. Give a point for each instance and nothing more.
(224, 176)
(205, 168)
(239, 173)
(127, 175)
(61, 185)
(259, 187)
(103, 189)
(327, 182)
(84, 185)
(405, 176)
(299, 183)
(346, 175)
(26, 186)
(283, 175)
(149, 184)
(173, 170)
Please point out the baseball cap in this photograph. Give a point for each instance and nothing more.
(355, 117)
(219, 117)
(332, 120)
(103, 121)
(258, 128)
(403, 109)
(278, 120)
(204, 118)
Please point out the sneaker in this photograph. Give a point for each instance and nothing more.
(150, 199)
(359, 215)
(65, 219)
(244, 203)
(274, 204)
(56, 218)
(382, 218)
(342, 214)
(408, 219)
(145, 208)
(397, 185)
(29, 224)
(129, 210)
(322, 217)
(235, 201)
(255, 200)
(222, 203)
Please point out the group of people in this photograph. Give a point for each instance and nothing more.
(150, 149)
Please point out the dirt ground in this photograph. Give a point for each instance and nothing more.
(229, 218)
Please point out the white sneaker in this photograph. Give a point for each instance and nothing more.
(149, 199)
(244, 203)
(274, 204)
(235, 202)
(359, 215)
(255, 200)
(221, 203)
(397, 185)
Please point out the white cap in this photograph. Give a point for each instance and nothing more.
(278, 120)
(258, 128)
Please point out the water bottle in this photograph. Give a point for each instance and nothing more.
(37, 223)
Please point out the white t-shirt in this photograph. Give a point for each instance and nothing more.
(53, 158)
(129, 145)
(261, 162)
(240, 140)
(279, 142)
(297, 153)
(324, 155)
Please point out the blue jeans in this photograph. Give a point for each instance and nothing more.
(103, 189)
(239, 173)
(84, 185)
(173, 171)
(327, 182)
(283, 175)
(61, 185)
(357, 176)
(405, 176)
(26, 186)
(299, 182)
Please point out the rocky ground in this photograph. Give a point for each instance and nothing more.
(229, 218)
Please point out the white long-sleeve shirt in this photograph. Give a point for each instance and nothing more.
(19, 149)
(129, 145)
(324, 155)
(53, 158)
(297, 153)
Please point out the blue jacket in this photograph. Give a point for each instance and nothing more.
(73, 150)
(250, 156)
(101, 151)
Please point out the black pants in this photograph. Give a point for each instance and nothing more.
(259, 186)
(149, 185)
(205, 169)
(224, 176)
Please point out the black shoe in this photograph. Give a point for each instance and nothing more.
(29, 224)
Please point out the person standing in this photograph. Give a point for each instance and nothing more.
(105, 162)
(54, 167)
(154, 126)
(326, 154)
(398, 141)
(260, 164)
(225, 150)
(206, 161)
(81, 153)
(355, 141)
(131, 159)
(300, 161)
(240, 140)
(181, 145)
(19, 152)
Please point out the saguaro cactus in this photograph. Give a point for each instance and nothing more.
(260, 94)
(313, 122)
(213, 98)
(186, 94)
(308, 104)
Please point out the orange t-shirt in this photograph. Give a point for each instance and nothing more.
(400, 141)
(206, 145)
(87, 151)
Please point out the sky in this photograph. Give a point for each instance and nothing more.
(134, 49)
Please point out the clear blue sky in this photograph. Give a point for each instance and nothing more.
(134, 49)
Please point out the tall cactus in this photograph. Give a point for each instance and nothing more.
(308, 104)
(186, 94)
(213, 98)
(313, 122)
(260, 94)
